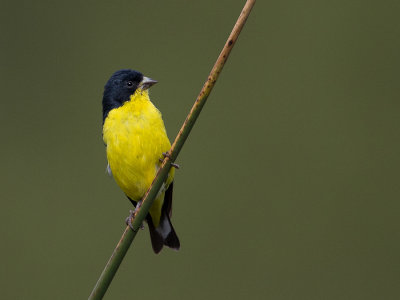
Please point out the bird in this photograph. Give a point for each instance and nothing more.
(136, 142)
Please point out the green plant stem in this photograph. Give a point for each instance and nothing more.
(141, 210)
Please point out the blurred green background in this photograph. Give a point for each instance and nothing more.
(289, 186)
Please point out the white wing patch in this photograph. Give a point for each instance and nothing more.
(108, 170)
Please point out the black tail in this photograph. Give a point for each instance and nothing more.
(164, 234)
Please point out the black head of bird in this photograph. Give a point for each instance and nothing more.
(121, 86)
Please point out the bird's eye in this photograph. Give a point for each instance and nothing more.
(129, 83)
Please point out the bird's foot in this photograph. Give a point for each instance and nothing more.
(176, 166)
(130, 218)
(166, 154)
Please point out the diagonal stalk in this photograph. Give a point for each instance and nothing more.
(141, 211)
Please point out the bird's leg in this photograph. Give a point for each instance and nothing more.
(165, 154)
(131, 217)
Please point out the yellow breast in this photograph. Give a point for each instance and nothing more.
(135, 136)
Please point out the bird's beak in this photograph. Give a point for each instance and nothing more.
(146, 83)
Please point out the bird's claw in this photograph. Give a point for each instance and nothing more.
(176, 166)
(129, 220)
(166, 154)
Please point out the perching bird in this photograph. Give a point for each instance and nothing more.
(135, 137)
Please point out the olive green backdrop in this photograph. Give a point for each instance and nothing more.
(289, 186)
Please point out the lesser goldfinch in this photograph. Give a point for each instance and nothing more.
(135, 137)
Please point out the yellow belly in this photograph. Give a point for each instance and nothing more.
(136, 138)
